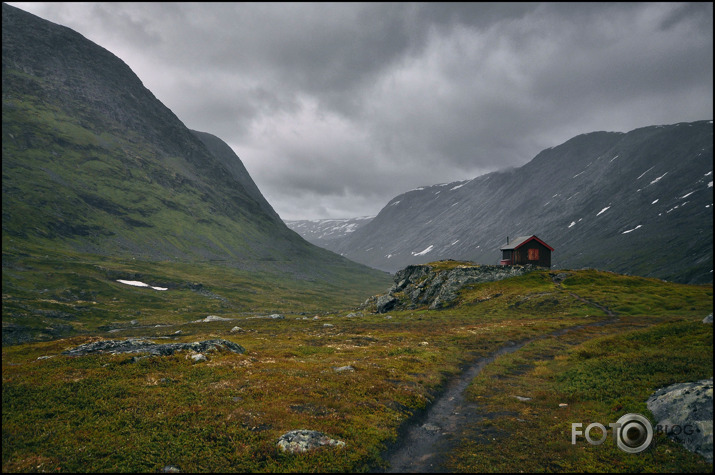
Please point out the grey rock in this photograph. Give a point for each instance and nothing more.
(274, 316)
(213, 318)
(237, 330)
(385, 303)
(198, 357)
(343, 368)
(708, 319)
(689, 406)
(523, 398)
(137, 345)
(298, 441)
(423, 285)
(170, 469)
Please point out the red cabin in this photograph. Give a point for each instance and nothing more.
(526, 250)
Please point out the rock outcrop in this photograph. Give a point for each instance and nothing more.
(437, 285)
(685, 413)
(138, 345)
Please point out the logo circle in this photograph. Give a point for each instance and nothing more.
(634, 433)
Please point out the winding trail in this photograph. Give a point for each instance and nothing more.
(422, 444)
(428, 438)
(425, 442)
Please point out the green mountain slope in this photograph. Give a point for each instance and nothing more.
(94, 165)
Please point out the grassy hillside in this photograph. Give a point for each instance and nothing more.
(115, 413)
(49, 294)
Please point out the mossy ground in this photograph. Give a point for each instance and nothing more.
(106, 413)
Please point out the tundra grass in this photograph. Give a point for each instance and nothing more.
(115, 413)
(596, 374)
(48, 295)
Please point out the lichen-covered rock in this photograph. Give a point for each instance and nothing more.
(138, 345)
(687, 411)
(297, 441)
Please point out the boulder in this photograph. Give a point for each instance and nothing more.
(684, 412)
(298, 441)
(343, 368)
(198, 357)
(214, 318)
(708, 319)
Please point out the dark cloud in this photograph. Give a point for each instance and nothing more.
(335, 108)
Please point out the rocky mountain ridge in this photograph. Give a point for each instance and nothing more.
(327, 233)
(638, 203)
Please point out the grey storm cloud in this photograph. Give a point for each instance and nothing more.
(336, 108)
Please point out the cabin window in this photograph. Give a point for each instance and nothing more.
(533, 254)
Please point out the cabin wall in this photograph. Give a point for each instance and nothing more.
(533, 252)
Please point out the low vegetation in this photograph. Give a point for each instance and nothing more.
(327, 366)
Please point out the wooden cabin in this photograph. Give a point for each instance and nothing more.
(526, 250)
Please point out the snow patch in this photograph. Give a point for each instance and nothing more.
(631, 230)
(573, 223)
(396, 202)
(136, 283)
(422, 253)
(710, 184)
(658, 199)
(458, 186)
(686, 195)
(658, 179)
(641, 176)
(603, 210)
(614, 158)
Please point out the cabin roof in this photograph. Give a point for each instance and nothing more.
(520, 241)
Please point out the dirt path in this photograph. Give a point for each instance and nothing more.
(425, 441)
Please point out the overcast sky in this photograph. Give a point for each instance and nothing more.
(334, 109)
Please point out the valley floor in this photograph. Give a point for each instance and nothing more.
(589, 349)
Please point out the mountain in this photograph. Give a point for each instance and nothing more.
(327, 233)
(94, 163)
(638, 203)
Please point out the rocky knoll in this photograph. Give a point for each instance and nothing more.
(138, 345)
(437, 284)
